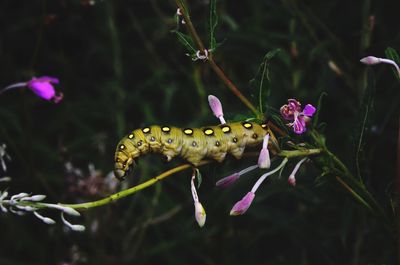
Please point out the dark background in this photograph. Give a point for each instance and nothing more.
(121, 67)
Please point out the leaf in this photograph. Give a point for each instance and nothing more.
(319, 107)
(186, 41)
(259, 79)
(213, 24)
(199, 177)
(366, 107)
(393, 55)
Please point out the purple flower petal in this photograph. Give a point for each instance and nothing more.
(43, 87)
(309, 110)
(299, 125)
(241, 206)
(294, 105)
(48, 79)
(227, 181)
(286, 113)
(44, 90)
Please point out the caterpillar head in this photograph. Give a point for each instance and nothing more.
(124, 160)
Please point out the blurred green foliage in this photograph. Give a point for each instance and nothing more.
(122, 67)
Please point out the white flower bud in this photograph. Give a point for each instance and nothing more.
(26, 208)
(19, 196)
(3, 209)
(34, 198)
(3, 195)
(45, 220)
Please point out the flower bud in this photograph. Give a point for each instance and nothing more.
(199, 213)
(241, 206)
(215, 106)
(292, 180)
(34, 198)
(370, 60)
(227, 181)
(264, 160)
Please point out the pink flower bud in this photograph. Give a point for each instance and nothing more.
(370, 60)
(199, 213)
(264, 160)
(292, 180)
(215, 106)
(241, 206)
(227, 181)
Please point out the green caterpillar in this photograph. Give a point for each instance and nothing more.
(192, 144)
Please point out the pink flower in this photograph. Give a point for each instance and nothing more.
(41, 86)
(293, 111)
(216, 108)
(241, 206)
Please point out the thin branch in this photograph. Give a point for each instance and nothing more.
(193, 33)
(132, 190)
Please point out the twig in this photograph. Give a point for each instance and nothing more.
(132, 190)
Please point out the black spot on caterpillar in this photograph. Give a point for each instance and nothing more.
(192, 144)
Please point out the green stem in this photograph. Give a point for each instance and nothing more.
(195, 37)
(349, 181)
(130, 191)
(296, 153)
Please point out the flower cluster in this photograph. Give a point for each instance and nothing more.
(41, 86)
(293, 112)
(24, 203)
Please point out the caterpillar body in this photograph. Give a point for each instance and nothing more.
(192, 144)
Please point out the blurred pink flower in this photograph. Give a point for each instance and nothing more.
(41, 86)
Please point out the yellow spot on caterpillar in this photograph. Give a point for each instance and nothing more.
(130, 136)
(121, 147)
(166, 129)
(146, 130)
(264, 125)
(226, 129)
(247, 125)
(188, 131)
(208, 131)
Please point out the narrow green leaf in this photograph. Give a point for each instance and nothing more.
(213, 24)
(319, 107)
(186, 41)
(199, 177)
(259, 81)
(393, 55)
(366, 107)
